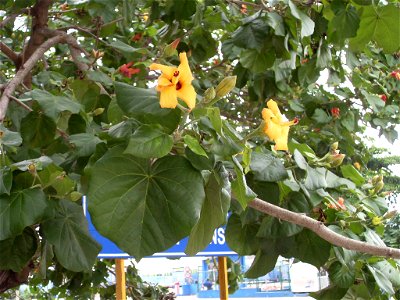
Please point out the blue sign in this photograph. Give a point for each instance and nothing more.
(217, 247)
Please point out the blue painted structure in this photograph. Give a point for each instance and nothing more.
(217, 247)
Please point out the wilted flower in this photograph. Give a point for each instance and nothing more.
(127, 71)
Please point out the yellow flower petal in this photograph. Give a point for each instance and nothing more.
(282, 140)
(166, 70)
(187, 94)
(168, 97)
(185, 75)
(271, 104)
(164, 82)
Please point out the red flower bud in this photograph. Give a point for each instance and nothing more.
(335, 111)
(383, 97)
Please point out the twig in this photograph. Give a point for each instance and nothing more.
(9, 52)
(11, 17)
(24, 71)
(20, 103)
(320, 229)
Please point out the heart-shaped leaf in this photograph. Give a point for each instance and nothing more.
(68, 232)
(19, 210)
(144, 207)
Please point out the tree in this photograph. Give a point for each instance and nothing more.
(80, 116)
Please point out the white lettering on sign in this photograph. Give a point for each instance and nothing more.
(219, 236)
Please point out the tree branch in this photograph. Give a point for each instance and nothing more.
(320, 229)
(73, 45)
(11, 17)
(9, 53)
(24, 71)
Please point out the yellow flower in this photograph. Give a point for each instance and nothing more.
(175, 82)
(376, 221)
(276, 128)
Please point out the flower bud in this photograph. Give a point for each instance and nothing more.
(334, 146)
(390, 214)
(1, 134)
(336, 160)
(375, 179)
(225, 86)
(75, 196)
(209, 94)
(357, 166)
(378, 186)
(170, 49)
(98, 111)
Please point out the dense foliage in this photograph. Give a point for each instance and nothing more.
(80, 115)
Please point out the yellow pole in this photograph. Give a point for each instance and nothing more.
(223, 277)
(120, 279)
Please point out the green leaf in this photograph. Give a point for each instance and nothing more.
(383, 282)
(56, 177)
(144, 206)
(68, 232)
(86, 92)
(198, 161)
(19, 210)
(276, 22)
(9, 138)
(389, 271)
(213, 213)
(241, 238)
(148, 141)
(351, 173)
(321, 116)
(5, 180)
(124, 48)
(267, 167)
(240, 189)
(348, 121)
(251, 35)
(18, 250)
(379, 24)
(37, 129)
(257, 61)
(316, 178)
(344, 24)
(84, 143)
(307, 25)
(376, 102)
(53, 105)
(341, 275)
(324, 56)
(332, 292)
(311, 248)
(143, 104)
(183, 9)
(273, 228)
(264, 262)
(300, 160)
(194, 145)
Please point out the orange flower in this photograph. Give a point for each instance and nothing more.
(339, 205)
(127, 71)
(174, 83)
